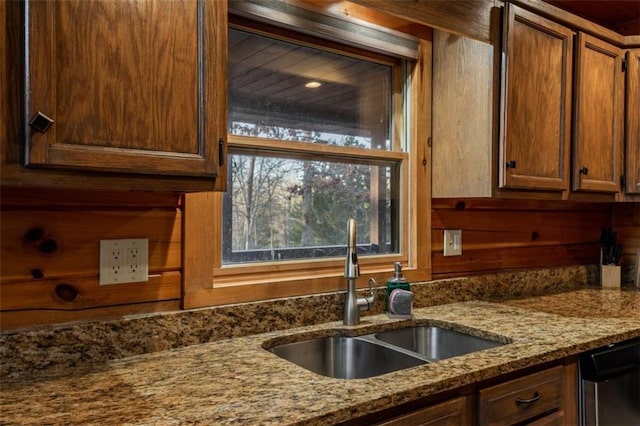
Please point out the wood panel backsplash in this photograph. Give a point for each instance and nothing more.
(50, 254)
(50, 242)
(515, 234)
(626, 222)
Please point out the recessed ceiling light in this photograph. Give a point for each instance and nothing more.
(313, 85)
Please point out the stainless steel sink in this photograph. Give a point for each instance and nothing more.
(345, 357)
(379, 353)
(435, 343)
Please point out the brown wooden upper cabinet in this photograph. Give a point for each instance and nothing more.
(632, 151)
(126, 88)
(535, 124)
(598, 116)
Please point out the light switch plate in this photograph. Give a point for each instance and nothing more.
(452, 242)
(124, 261)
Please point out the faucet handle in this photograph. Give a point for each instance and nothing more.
(366, 303)
(373, 289)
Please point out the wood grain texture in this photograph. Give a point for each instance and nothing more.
(536, 116)
(66, 243)
(50, 254)
(421, 162)
(570, 392)
(597, 116)
(11, 83)
(497, 404)
(632, 123)
(513, 234)
(122, 104)
(138, 60)
(449, 413)
(462, 146)
(562, 16)
(626, 222)
(86, 293)
(16, 198)
(200, 253)
(469, 18)
(28, 318)
(353, 10)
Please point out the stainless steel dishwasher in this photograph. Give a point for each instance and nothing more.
(610, 385)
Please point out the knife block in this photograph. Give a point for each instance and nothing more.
(610, 276)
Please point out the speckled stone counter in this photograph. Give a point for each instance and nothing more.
(237, 381)
(66, 346)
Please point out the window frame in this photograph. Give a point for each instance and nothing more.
(207, 283)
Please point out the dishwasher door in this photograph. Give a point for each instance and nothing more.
(610, 385)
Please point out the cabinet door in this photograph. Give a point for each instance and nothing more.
(632, 152)
(598, 113)
(130, 86)
(535, 120)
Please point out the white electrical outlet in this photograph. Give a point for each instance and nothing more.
(124, 261)
(453, 242)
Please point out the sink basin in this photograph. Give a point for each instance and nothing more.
(435, 343)
(374, 354)
(345, 357)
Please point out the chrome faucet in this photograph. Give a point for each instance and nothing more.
(353, 305)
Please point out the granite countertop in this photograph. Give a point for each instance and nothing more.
(237, 381)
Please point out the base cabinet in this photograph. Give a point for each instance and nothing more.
(522, 399)
(448, 413)
(546, 395)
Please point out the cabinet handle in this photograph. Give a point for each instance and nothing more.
(40, 122)
(584, 171)
(511, 164)
(220, 152)
(536, 397)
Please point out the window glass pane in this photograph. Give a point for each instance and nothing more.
(281, 90)
(279, 208)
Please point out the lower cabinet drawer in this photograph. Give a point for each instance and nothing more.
(521, 399)
(449, 413)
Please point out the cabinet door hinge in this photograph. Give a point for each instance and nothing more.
(623, 182)
(624, 64)
(220, 152)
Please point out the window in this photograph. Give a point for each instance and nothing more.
(310, 146)
(303, 159)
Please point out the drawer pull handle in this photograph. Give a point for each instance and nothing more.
(536, 397)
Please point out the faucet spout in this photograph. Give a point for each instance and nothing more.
(351, 266)
(353, 304)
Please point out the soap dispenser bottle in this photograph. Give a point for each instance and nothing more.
(395, 282)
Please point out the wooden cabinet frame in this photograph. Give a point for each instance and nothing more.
(632, 146)
(598, 111)
(534, 149)
(45, 37)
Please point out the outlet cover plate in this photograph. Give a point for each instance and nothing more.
(452, 242)
(124, 261)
